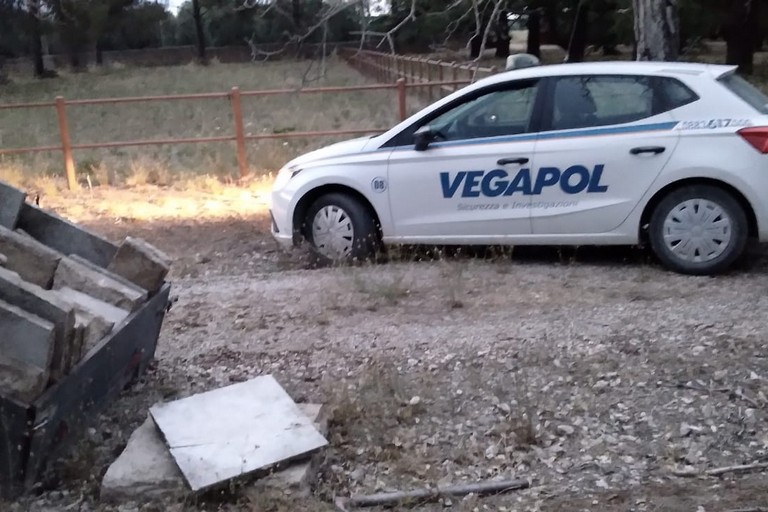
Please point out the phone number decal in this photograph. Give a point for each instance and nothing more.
(712, 124)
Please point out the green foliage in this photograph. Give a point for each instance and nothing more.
(81, 25)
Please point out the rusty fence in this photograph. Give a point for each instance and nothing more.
(396, 74)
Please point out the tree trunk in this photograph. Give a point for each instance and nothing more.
(199, 31)
(475, 43)
(534, 34)
(296, 14)
(37, 43)
(502, 36)
(742, 33)
(657, 29)
(578, 42)
(99, 53)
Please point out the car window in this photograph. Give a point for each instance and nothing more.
(587, 101)
(496, 113)
(746, 91)
(676, 94)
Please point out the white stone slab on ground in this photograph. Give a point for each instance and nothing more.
(145, 470)
(233, 431)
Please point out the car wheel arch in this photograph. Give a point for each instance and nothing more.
(654, 201)
(303, 204)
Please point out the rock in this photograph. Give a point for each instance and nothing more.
(47, 305)
(33, 261)
(21, 381)
(71, 274)
(141, 263)
(146, 470)
(25, 337)
(11, 201)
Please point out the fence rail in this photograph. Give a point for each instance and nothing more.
(430, 73)
(396, 73)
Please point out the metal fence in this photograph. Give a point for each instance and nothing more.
(396, 73)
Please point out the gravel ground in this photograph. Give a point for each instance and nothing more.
(593, 373)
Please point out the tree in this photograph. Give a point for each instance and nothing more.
(578, 42)
(742, 33)
(199, 34)
(657, 29)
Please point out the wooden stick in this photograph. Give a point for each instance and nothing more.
(723, 470)
(749, 509)
(392, 498)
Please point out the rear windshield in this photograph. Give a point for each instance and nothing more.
(746, 91)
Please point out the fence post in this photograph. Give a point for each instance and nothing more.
(430, 94)
(440, 78)
(237, 111)
(401, 98)
(66, 143)
(455, 68)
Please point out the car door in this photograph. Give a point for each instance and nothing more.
(605, 140)
(468, 185)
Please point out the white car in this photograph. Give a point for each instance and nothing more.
(609, 153)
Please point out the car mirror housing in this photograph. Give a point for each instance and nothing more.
(423, 137)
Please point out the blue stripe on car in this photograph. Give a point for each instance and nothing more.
(587, 132)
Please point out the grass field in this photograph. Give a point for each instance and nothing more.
(210, 163)
(183, 118)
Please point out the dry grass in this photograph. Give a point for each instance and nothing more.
(162, 165)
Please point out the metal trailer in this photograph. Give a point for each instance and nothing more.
(31, 435)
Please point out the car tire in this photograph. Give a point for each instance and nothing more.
(340, 230)
(698, 230)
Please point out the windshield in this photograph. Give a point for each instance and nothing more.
(746, 91)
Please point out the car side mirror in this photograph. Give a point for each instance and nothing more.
(423, 137)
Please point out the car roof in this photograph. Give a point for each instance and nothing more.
(618, 67)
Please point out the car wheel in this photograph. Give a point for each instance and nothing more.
(340, 230)
(698, 230)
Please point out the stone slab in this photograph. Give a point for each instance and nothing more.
(71, 274)
(45, 304)
(64, 236)
(21, 381)
(76, 348)
(25, 337)
(146, 471)
(234, 431)
(95, 328)
(33, 261)
(297, 477)
(90, 305)
(11, 202)
(141, 263)
(105, 272)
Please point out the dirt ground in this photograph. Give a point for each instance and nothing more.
(593, 372)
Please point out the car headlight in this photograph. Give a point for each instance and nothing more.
(284, 176)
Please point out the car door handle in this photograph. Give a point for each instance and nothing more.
(648, 149)
(507, 161)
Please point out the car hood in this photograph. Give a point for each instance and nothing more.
(346, 147)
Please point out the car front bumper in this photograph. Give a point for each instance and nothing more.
(283, 236)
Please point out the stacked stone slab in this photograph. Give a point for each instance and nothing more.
(63, 291)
